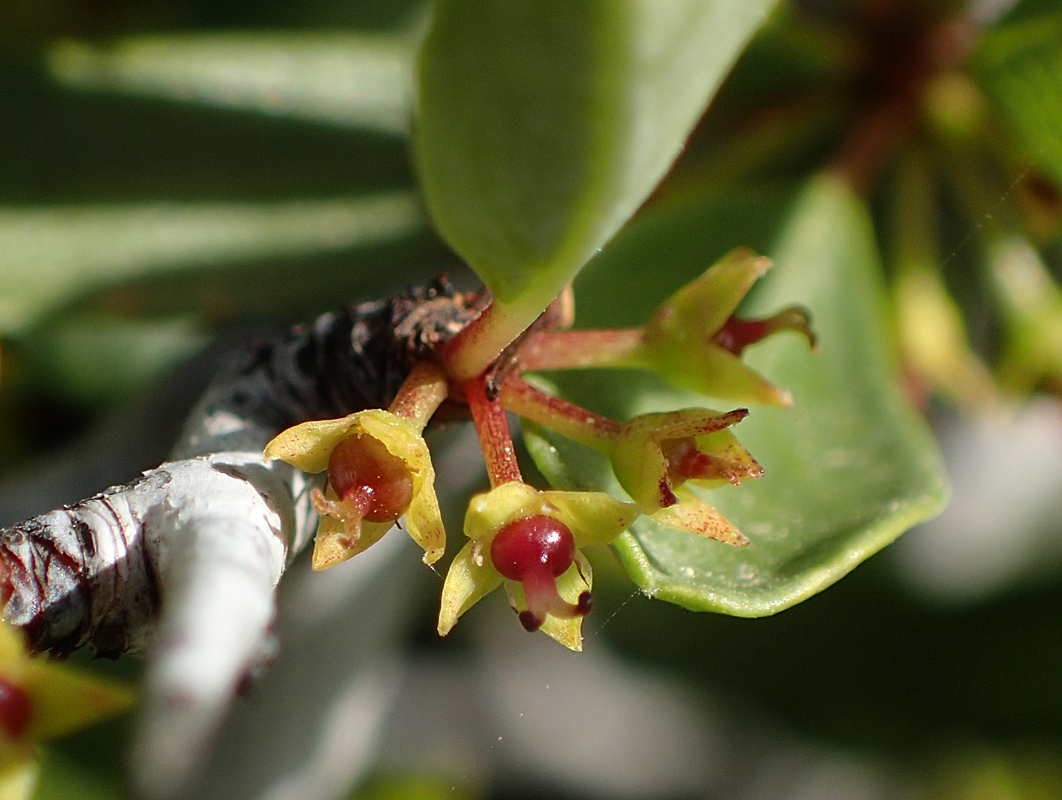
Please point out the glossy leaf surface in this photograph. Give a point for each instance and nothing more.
(848, 469)
(346, 79)
(50, 255)
(543, 126)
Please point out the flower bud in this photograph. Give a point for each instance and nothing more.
(695, 341)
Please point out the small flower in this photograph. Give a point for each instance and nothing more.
(379, 469)
(695, 341)
(655, 455)
(529, 540)
(41, 701)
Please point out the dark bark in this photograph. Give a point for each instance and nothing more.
(79, 575)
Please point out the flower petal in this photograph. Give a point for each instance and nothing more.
(700, 308)
(333, 544)
(13, 654)
(65, 700)
(592, 517)
(719, 373)
(489, 511)
(729, 461)
(18, 776)
(307, 446)
(641, 469)
(423, 519)
(61, 698)
(470, 577)
(637, 457)
(680, 340)
(693, 515)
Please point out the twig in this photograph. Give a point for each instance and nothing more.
(185, 560)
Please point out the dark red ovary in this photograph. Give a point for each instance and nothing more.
(536, 550)
(533, 544)
(363, 471)
(15, 709)
(736, 334)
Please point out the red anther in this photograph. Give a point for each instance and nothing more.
(362, 470)
(530, 622)
(15, 708)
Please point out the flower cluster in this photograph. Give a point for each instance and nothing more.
(528, 540)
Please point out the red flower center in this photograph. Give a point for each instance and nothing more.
(363, 471)
(15, 709)
(536, 550)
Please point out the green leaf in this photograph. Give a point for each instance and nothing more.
(847, 469)
(347, 79)
(100, 358)
(1020, 66)
(49, 255)
(543, 126)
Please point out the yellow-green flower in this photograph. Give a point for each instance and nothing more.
(379, 469)
(41, 701)
(655, 455)
(695, 341)
(529, 540)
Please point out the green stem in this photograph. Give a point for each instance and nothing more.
(560, 416)
(578, 349)
(476, 347)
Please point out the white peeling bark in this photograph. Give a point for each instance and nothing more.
(220, 541)
(183, 563)
(185, 560)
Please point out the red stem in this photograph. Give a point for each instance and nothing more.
(493, 430)
(423, 391)
(567, 419)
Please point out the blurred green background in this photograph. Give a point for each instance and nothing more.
(173, 171)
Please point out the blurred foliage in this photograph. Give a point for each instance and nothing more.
(140, 215)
